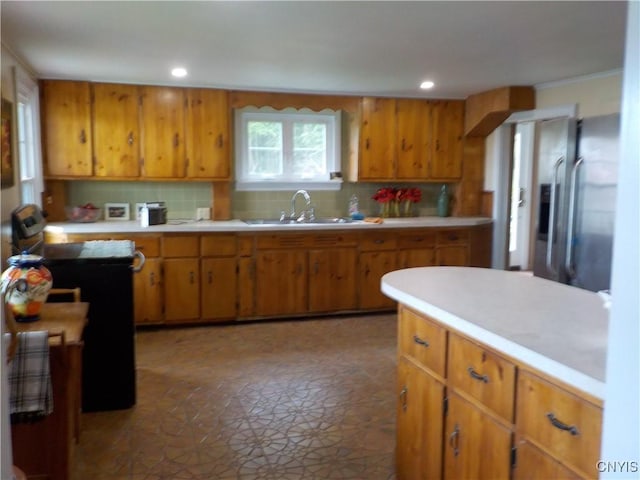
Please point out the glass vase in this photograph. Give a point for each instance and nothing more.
(384, 209)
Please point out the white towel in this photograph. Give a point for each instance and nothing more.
(30, 391)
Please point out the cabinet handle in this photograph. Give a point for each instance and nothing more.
(403, 398)
(316, 268)
(378, 241)
(192, 277)
(83, 136)
(366, 144)
(130, 138)
(152, 279)
(454, 440)
(419, 341)
(562, 426)
(210, 277)
(219, 141)
(437, 145)
(403, 144)
(176, 140)
(477, 376)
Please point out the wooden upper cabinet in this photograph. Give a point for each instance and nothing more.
(116, 134)
(413, 139)
(377, 139)
(66, 132)
(448, 129)
(163, 118)
(207, 134)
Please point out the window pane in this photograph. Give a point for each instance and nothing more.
(309, 149)
(264, 148)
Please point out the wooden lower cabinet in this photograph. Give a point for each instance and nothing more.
(453, 256)
(419, 423)
(218, 288)
(181, 289)
(147, 293)
(373, 265)
(332, 280)
(281, 282)
(502, 418)
(477, 446)
(531, 463)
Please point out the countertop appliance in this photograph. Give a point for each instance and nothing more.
(27, 225)
(157, 213)
(577, 165)
(104, 272)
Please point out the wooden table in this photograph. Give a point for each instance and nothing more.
(44, 449)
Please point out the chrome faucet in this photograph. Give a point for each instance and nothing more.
(309, 212)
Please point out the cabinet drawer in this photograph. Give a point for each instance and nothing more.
(180, 246)
(265, 242)
(377, 241)
(424, 340)
(564, 424)
(417, 240)
(218, 245)
(483, 375)
(149, 246)
(448, 237)
(334, 240)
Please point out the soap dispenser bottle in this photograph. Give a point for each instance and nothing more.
(354, 208)
(443, 202)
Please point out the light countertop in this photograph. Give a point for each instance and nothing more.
(557, 329)
(177, 226)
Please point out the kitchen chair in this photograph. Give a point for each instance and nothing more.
(67, 291)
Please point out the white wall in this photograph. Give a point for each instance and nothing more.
(621, 429)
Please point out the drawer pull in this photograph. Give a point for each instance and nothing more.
(419, 341)
(403, 398)
(477, 376)
(454, 440)
(562, 426)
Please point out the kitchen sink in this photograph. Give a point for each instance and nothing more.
(287, 221)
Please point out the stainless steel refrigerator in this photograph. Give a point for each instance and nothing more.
(577, 167)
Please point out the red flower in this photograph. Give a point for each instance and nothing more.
(385, 195)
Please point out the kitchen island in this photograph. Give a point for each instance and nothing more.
(517, 363)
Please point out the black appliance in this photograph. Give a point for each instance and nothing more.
(104, 272)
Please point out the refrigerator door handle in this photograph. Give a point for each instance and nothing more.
(571, 271)
(552, 215)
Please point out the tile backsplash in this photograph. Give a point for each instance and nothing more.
(182, 198)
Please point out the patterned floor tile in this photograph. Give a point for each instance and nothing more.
(300, 400)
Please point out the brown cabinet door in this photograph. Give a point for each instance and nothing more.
(332, 280)
(476, 446)
(533, 464)
(67, 128)
(246, 287)
(218, 288)
(448, 130)
(373, 265)
(419, 423)
(453, 256)
(377, 139)
(281, 282)
(207, 134)
(116, 134)
(163, 146)
(147, 292)
(413, 139)
(181, 289)
(418, 257)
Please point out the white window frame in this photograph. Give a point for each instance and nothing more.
(246, 182)
(29, 151)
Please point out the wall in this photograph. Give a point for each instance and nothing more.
(9, 197)
(595, 95)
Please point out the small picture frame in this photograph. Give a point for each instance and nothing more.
(116, 211)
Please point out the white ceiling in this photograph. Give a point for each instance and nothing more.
(361, 48)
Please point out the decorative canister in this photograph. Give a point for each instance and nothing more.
(25, 285)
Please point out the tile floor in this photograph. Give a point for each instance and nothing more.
(305, 399)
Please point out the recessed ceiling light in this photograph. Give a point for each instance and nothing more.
(427, 85)
(179, 72)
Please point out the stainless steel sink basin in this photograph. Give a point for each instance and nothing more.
(317, 221)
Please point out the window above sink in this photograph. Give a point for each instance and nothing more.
(287, 149)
